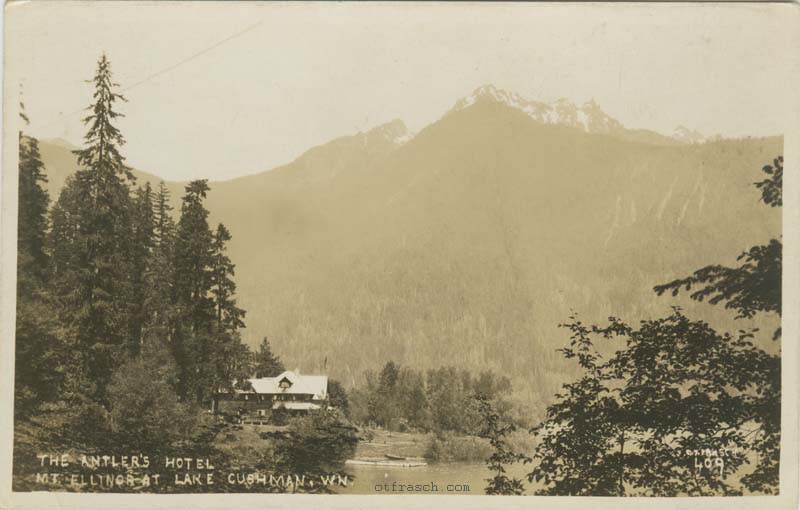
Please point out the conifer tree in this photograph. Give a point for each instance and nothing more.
(229, 316)
(32, 220)
(39, 350)
(159, 294)
(230, 358)
(142, 259)
(193, 280)
(93, 239)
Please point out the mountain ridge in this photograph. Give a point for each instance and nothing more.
(468, 243)
(589, 118)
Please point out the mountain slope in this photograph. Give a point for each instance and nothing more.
(471, 242)
(468, 243)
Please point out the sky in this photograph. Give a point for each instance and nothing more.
(222, 90)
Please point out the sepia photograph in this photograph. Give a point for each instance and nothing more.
(450, 249)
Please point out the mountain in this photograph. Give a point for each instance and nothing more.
(589, 117)
(469, 242)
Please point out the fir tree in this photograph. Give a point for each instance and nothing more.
(103, 139)
(231, 359)
(32, 220)
(229, 317)
(39, 349)
(142, 259)
(193, 279)
(159, 292)
(92, 236)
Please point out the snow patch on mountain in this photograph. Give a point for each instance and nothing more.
(394, 132)
(588, 117)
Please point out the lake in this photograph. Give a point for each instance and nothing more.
(458, 478)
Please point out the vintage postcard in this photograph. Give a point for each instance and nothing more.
(367, 255)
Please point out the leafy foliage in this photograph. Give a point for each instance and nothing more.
(317, 444)
(624, 427)
(772, 187)
(337, 397)
(145, 410)
(503, 455)
(443, 399)
(755, 285)
(629, 424)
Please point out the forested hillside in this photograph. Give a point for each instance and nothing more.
(474, 239)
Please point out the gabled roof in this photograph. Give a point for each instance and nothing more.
(316, 385)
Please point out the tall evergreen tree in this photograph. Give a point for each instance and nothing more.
(142, 259)
(229, 317)
(92, 236)
(39, 349)
(32, 220)
(193, 280)
(228, 354)
(159, 293)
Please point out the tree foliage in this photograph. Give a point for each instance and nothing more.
(755, 285)
(93, 241)
(442, 399)
(503, 455)
(317, 445)
(633, 423)
(42, 352)
(126, 322)
(266, 363)
(624, 427)
(337, 397)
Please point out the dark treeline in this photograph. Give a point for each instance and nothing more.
(113, 293)
(127, 320)
(445, 399)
